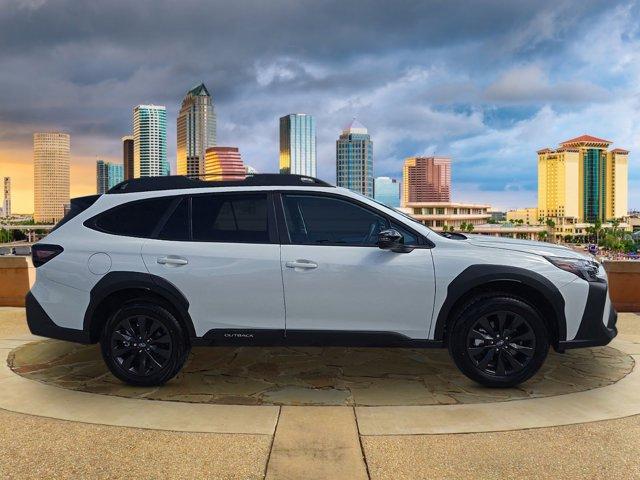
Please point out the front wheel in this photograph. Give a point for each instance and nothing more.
(499, 341)
(143, 344)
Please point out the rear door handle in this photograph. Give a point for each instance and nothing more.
(172, 260)
(301, 263)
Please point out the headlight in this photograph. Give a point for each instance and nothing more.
(583, 268)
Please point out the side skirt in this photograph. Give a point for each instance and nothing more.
(311, 338)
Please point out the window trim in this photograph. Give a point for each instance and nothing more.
(423, 242)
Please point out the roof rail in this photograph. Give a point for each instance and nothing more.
(178, 182)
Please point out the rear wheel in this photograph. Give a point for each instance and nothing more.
(499, 341)
(143, 344)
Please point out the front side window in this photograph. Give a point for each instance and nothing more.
(133, 219)
(230, 218)
(317, 220)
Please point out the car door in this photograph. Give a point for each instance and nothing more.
(337, 279)
(221, 251)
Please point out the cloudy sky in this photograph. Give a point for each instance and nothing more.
(485, 82)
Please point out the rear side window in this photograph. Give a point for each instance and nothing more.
(177, 225)
(230, 218)
(134, 219)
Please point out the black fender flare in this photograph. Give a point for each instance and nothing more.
(478, 275)
(117, 281)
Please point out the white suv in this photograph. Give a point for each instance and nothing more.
(158, 265)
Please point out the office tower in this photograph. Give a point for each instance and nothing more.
(426, 179)
(583, 181)
(196, 130)
(224, 163)
(108, 175)
(7, 197)
(354, 159)
(298, 144)
(150, 141)
(115, 174)
(101, 177)
(127, 156)
(387, 191)
(51, 157)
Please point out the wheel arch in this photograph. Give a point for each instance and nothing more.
(118, 288)
(530, 286)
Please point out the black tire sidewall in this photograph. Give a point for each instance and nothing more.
(466, 320)
(179, 352)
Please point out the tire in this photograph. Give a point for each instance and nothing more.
(498, 340)
(143, 344)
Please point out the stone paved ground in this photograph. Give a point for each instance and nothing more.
(35, 447)
(318, 376)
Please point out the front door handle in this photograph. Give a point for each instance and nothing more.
(301, 263)
(172, 260)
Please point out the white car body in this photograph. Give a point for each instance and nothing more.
(234, 291)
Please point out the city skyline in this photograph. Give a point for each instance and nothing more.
(488, 96)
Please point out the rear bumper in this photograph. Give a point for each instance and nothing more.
(41, 324)
(593, 331)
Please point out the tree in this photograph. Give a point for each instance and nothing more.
(470, 227)
(463, 227)
(542, 235)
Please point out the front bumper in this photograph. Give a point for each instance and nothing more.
(593, 331)
(41, 324)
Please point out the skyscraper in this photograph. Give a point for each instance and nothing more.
(196, 130)
(107, 175)
(150, 141)
(298, 144)
(127, 156)
(354, 159)
(51, 157)
(583, 181)
(101, 177)
(115, 174)
(426, 179)
(224, 163)
(7, 197)
(387, 191)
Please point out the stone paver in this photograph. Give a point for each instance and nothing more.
(316, 443)
(317, 376)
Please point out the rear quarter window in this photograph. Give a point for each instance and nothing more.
(133, 219)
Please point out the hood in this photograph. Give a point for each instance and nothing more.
(527, 246)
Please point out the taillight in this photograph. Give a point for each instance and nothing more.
(42, 253)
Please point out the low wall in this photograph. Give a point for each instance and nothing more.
(624, 284)
(16, 277)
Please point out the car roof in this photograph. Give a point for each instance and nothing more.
(179, 182)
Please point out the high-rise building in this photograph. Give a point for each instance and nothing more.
(426, 179)
(583, 181)
(196, 130)
(51, 157)
(298, 144)
(387, 191)
(6, 206)
(224, 163)
(101, 177)
(127, 156)
(108, 175)
(354, 159)
(115, 174)
(150, 141)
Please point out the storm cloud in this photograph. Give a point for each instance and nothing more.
(486, 82)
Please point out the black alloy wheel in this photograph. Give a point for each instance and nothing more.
(143, 344)
(501, 343)
(498, 340)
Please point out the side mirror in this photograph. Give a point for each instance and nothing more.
(390, 239)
